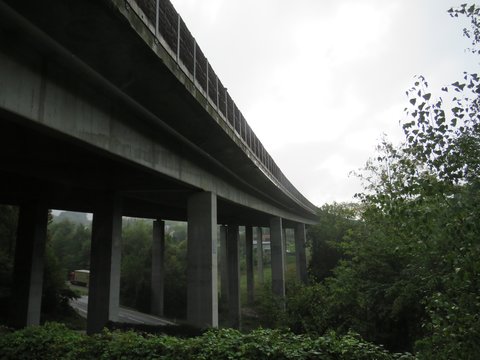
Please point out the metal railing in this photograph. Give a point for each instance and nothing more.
(170, 30)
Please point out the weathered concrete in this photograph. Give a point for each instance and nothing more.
(278, 264)
(260, 254)
(285, 250)
(47, 93)
(202, 291)
(158, 268)
(105, 261)
(233, 250)
(76, 121)
(223, 267)
(301, 257)
(249, 262)
(28, 266)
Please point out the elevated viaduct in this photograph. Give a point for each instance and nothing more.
(111, 107)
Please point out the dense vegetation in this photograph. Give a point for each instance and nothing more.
(408, 254)
(54, 341)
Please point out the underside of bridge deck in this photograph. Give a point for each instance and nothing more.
(70, 176)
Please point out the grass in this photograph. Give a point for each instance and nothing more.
(80, 290)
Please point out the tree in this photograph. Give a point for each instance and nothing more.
(335, 222)
(136, 264)
(409, 273)
(70, 242)
(423, 198)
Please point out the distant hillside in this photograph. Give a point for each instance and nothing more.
(74, 217)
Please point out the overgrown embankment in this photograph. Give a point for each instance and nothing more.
(55, 341)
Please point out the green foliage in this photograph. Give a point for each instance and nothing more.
(55, 295)
(302, 318)
(136, 264)
(54, 341)
(269, 307)
(409, 274)
(71, 244)
(136, 267)
(8, 229)
(419, 262)
(175, 276)
(335, 222)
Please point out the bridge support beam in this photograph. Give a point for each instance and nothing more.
(233, 264)
(202, 288)
(249, 262)
(158, 268)
(105, 257)
(223, 267)
(278, 264)
(301, 258)
(260, 254)
(28, 267)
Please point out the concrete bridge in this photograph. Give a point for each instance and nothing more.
(111, 107)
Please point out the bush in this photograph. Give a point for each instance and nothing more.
(55, 341)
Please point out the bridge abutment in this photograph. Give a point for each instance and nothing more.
(105, 258)
(202, 288)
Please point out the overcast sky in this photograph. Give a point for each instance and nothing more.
(320, 81)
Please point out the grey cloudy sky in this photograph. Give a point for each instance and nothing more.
(320, 81)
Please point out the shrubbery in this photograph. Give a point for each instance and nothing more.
(55, 341)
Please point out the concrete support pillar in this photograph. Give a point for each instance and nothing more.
(249, 262)
(285, 250)
(278, 264)
(260, 254)
(28, 267)
(233, 264)
(158, 268)
(223, 267)
(301, 258)
(105, 261)
(202, 288)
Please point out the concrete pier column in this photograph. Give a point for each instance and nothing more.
(28, 266)
(233, 264)
(260, 254)
(301, 258)
(158, 268)
(285, 250)
(202, 287)
(249, 262)
(223, 267)
(278, 264)
(105, 261)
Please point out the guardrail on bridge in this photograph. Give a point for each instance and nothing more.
(170, 30)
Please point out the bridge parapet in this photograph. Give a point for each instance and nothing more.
(169, 29)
